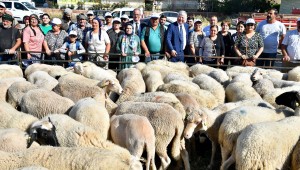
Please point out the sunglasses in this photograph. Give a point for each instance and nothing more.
(72, 36)
(250, 24)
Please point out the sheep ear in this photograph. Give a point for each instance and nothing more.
(104, 83)
(288, 99)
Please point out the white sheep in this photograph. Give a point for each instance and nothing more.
(135, 133)
(42, 67)
(132, 83)
(16, 91)
(242, 78)
(214, 121)
(90, 113)
(62, 158)
(10, 71)
(203, 97)
(239, 91)
(14, 140)
(267, 145)
(11, 118)
(33, 168)
(160, 97)
(5, 84)
(179, 66)
(237, 119)
(175, 76)
(152, 80)
(220, 75)
(42, 80)
(293, 75)
(200, 69)
(167, 124)
(40, 102)
(206, 82)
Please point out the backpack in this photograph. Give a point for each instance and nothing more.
(77, 45)
(162, 36)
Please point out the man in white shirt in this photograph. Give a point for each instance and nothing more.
(273, 32)
(291, 47)
(136, 22)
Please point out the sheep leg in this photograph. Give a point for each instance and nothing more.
(165, 160)
(225, 153)
(226, 164)
(184, 155)
(213, 153)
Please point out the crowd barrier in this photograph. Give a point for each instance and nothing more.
(18, 60)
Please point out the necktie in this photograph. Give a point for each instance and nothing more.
(136, 28)
(181, 36)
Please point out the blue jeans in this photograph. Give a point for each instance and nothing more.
(266, 62)
(153, 57)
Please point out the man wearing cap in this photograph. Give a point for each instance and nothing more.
(152, 39)
(81, 27)
(273, 32)
(4, 11)
(124, 20)
(114, 33)
(177, 38)
(90, 15)
(11, 36)
(108, 21)
(291, 47)
(67, 19)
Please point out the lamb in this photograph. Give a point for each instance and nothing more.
(132, 83)
(181, 67)
(220, 76)
(62, 158)
(160, 97)
(267, 145)
(152, 80)
(167, 124)
(188, 102)
(207, 83)
(203, 97)
(11, 118)
(239, 91)
(140, 66)
(5, 84)
(90, 113)
(42, 67)
(200, 69)
(10, 71)
(242, 78)
(40, 102)
(16, 91)
(237, 119)
(42, 80)
(214, 120)
(135, 133)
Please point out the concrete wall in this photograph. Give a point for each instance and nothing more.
(287, 6)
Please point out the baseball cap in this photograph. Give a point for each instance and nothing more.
(73, 33)
(107, 14)
(250, 21)
(90, 13)
(7, 17)
(117, 20)
(56, 21)
(198, 21)
(124, 16)
(154, 15)
(2, 4)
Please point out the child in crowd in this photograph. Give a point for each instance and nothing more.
(72, 49)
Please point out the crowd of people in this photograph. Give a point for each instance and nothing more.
(121, 42)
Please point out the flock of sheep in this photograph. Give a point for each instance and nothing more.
(97, 119)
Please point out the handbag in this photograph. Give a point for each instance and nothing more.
(248, 62)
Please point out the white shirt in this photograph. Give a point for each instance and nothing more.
(292, 41)
(183, 34)
(96, 45)
(134, 28)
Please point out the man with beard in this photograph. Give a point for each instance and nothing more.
(67, 19)
(273, 32)
(290, 47)
(11, 36)
(4, 11)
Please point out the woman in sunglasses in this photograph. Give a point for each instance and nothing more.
(249, 45)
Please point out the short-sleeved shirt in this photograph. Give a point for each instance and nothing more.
(55, 41)
(154, 41)
(96, 45)
(114, 36)
(6, 34)
(35, 41)
(292, 41)
(270, 33)
(249, 46)
(196, 39)
(210, 48)
(45, 28)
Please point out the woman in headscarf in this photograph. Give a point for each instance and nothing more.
(129, 46)
(97, 41)
(34, 40)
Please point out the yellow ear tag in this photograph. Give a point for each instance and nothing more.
(204, 126)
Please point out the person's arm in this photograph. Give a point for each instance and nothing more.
(81, 49)
(143, 43)
(284, 51)
(260, 46)
(169, 42)
(63, 49)
(282, 35)
(222, 49)
(192, 47)
(26, 37)
(46, 47)
(107, 45)
(138, 48)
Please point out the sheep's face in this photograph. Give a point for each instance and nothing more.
(196, 121)
(115, 87)
(44, 133)
(78, 68)
(256, 75)
(290, 99)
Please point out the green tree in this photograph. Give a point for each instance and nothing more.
(235, 6)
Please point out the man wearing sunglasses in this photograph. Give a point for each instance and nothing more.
(273, 32)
